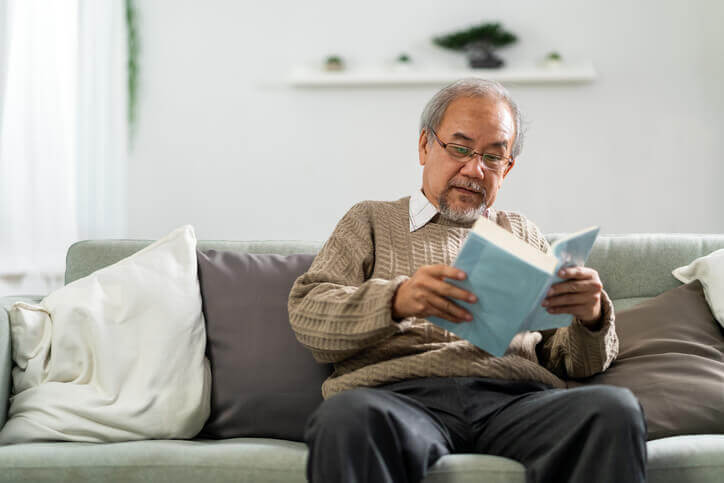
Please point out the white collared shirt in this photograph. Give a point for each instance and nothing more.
(422, 210)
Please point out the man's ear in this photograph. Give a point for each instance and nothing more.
(422, 147)
(510, 166)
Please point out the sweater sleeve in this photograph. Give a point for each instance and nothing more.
(574, 351)
(335, 308)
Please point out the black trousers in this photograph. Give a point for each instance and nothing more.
(394, 433)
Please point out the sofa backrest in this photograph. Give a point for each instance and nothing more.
(640, 265)
(85, 257)
(632, 266)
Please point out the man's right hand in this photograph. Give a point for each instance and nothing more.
(425, 293)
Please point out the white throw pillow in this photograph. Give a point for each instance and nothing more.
(115, 356)
(709, 270)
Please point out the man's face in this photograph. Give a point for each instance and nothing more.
(465, 190)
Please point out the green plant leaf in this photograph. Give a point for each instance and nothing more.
(492, 34)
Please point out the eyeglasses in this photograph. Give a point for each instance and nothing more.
(495, 163)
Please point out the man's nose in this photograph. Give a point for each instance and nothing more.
(474, 167)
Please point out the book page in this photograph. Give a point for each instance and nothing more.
(572, 249)
(513, 245)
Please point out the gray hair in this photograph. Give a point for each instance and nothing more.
(470, 87)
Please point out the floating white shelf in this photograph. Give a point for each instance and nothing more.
(514, 74)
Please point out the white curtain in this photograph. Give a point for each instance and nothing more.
(62, 135)
(3, 57)
(102, 120)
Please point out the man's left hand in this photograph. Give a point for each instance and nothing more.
(579, 294)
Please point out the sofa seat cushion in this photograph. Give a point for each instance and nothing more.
(473, 468)
(686, 458)
(249, 460)
(697, 458)
(241, 460)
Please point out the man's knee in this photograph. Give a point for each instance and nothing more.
(343, 412)
(615, 408)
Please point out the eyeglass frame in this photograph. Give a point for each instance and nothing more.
(472, 155)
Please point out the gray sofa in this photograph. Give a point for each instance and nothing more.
(633, 268)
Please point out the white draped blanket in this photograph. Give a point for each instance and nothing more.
(115, 356)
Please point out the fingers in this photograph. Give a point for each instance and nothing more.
(440, 293)
(426, 293)
(570, 299)
(448, 290)
(579, 294)
(444, 271)
(583, 305)
(575, 286)
(445, 289)
(447, 309)
(578, 273)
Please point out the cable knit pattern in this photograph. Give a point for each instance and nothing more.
(341, 309)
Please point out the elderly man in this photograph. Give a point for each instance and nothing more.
(406, 392)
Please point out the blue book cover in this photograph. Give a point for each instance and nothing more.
(510, 279)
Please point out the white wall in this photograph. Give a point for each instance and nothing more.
(222, 143)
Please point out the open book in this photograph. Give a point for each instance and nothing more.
(510, 279)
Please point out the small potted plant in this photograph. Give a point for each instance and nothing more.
(333, 63)
(479, 42)
(553, 60)
(403, 62)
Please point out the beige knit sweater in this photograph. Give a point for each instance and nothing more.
(341, 309)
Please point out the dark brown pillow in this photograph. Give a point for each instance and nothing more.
(264, 382)
(671, 356)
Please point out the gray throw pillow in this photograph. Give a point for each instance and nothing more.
(672, 358)
(264, 382)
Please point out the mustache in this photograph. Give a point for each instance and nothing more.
(467, 184)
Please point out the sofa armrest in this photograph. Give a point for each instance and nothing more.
(6, 360)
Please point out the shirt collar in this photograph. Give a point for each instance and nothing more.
(422, 211)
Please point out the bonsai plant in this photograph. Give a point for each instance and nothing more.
(479, 42)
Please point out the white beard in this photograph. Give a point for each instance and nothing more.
(468, 215)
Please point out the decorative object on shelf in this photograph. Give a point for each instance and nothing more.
(333, 63)
(403, 58)
(402, 63)
(478, 42)
(552, 60)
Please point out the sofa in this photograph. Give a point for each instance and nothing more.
(633, 268)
